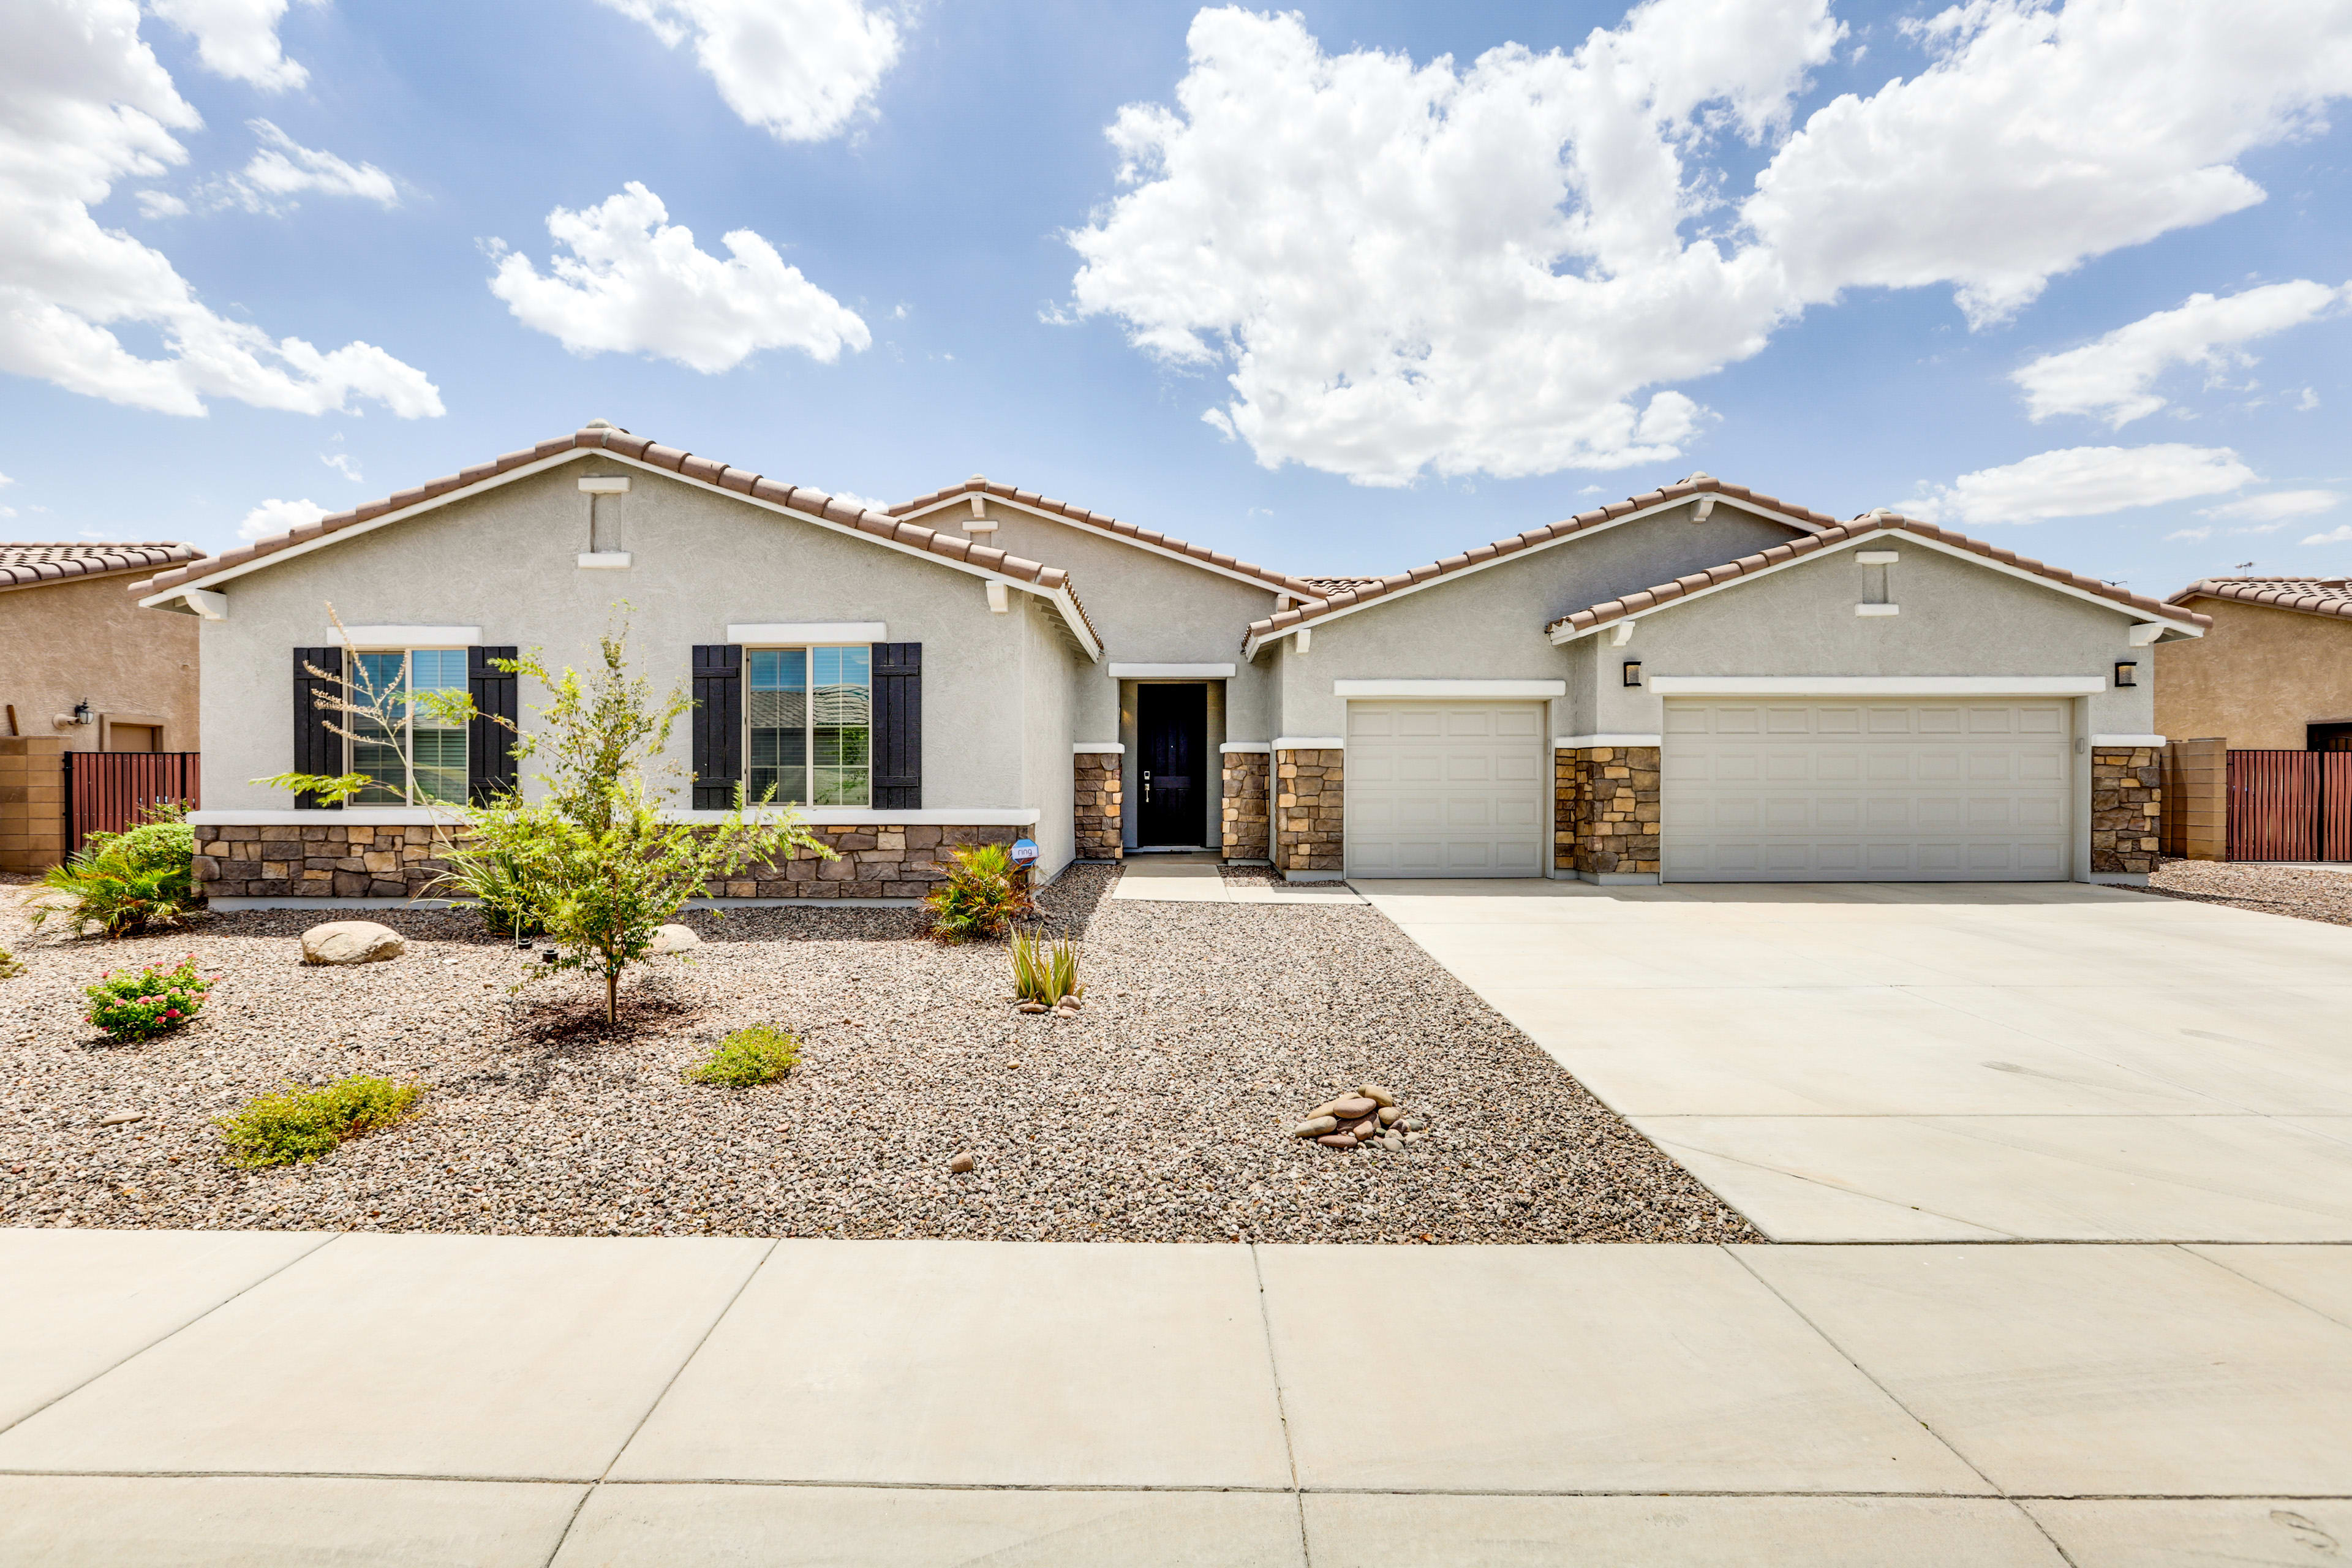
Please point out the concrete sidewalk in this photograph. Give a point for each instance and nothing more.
(264, 1397)
(1191, 877)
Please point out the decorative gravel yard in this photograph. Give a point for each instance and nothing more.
(2304, 895)
(1159, 1112)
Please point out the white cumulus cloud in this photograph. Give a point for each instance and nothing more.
(1406, 268)
(636, 283)
(2110, 378)
(2333, 536)
(2083, 481)
(275, 517)
(83, 104)
(237, 38)
(800, 70)
(284, 169)
(2276, 507)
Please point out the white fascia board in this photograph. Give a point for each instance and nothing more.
(1498, 689)
(1270, 584)
(403, 637)
(1564, 636)
(1250, 649)
(1877, 685)
(1171, 672)
(803, 632)
(1579, 743)
(1089, 748)
(1064, 601)
(2131, 741)
(1259, 747)
(1310, 743)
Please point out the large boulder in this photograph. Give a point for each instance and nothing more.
(352, 942)
(675, 939)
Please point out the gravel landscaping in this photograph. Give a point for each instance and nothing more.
(1159, 1112)
(2271, 889)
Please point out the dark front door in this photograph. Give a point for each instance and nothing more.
(1172, 727)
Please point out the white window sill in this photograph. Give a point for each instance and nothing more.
(821, 816)
(606, 561)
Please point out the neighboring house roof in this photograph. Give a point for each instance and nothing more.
(1031, 501)
(30, 565)
(597, 436)
(1570, 627)
(1357, 591)
(2312, 595)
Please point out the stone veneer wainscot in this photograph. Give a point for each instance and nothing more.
(1101, 796)
(1245, 816)
(1309, 811)
(1605, 810)
(2127, 808)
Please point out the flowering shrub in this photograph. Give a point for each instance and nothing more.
(154, 1001)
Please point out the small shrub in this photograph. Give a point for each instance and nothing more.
(295, 1126)
(124, 882)
(9, 968)
(154, 1001)
(761, 1054)
(983, 895)
(1045, 972)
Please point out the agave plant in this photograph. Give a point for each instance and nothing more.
(1042, 971)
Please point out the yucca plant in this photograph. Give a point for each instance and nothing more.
(983, 895)
(1042, 971)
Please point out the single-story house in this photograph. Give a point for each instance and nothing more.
(1698, 683)
(2274, 673)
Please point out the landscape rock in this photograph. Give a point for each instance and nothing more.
(963, 1164)
(1315, 1126)
(675, 939)
(118, 1117)
(1394, 1143)
(1034, 1007)
(1354, 1108)
(1389, 1115)
(1375, 1093)
(352, 942)
(1363, 1127)
(1338, 1139)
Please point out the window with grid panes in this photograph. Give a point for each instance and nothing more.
(435, 768)
(810, 713)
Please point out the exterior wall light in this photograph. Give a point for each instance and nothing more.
(2126, 672)
(1632, 672)
(83, 715)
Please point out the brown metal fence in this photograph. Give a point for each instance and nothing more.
(2291, 805)
(106, 791)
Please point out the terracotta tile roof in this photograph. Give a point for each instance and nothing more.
(24, 565)
(2312, 595)
(1861, 527)
(599, 435)
(1326, 586)
(980, 485)
(1360, 589)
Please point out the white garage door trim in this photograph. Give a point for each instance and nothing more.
(1447, 789)
(1928, 790)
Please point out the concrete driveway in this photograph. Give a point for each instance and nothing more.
(1916, 1062)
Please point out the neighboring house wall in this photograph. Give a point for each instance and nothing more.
(2256, 678)
(504, 561)
(87, 640)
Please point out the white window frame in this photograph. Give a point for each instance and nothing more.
(809, 724)
(409, 797)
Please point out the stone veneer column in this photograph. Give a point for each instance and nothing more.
(1615, 811)
(1567, 812)
(1101, 796)
(1245, 820)
(2127, 808)
(32, 802)
(1309, 811)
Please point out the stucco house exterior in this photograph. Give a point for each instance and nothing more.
(1697, 683)
(2274, 672)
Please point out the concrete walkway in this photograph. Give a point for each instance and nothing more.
(268, 1398)
(1880, 1062)
(1191, 877)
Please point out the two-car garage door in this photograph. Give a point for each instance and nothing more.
(1823, 791)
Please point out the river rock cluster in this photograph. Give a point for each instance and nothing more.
(1369, 1116)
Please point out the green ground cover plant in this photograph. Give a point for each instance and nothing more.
(296, 1125)
(143, 1003)
(761, 1054)
(9, 968)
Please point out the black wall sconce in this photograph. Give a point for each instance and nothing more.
(1632, 672)
(83, 715)
(2126, 672)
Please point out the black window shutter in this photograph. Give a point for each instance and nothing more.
(898, 743)
(317, 749)
(718, 725)
(490, 745)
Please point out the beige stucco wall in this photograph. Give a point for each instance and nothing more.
(504, 561)
(88, 641)
(2256, 678)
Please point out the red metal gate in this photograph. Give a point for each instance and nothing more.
(106, 791)
(2291, 805)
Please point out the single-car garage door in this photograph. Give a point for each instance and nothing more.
(1447, 789)
(1829, 792)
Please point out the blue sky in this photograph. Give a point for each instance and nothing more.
(1429, 304)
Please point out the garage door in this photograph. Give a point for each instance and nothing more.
(1443, 789)
(1829, 792)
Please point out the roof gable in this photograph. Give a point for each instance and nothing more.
(1748, 568)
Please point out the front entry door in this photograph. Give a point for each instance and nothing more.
(1172, 727)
